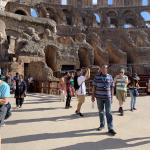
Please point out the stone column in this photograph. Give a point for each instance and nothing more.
(103, 3)
(11, 49)
(2, 31)
(118, 3)
(137, 2)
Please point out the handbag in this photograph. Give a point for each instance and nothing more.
(135, 93)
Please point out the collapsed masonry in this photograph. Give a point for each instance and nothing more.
(77, 34)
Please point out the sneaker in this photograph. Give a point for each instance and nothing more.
(81, 115)
(134, 109)
(131, 109)
(99, 128)
(112, 132)
(119, 110)
(78, 113)
(67, 107)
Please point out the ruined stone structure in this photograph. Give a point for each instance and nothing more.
(68, 34)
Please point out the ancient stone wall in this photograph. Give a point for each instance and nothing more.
(78, 33)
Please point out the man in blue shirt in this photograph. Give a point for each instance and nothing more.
(103, 90)
(4, 94)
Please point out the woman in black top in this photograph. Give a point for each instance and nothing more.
(20, 91)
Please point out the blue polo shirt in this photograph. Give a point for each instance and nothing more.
(4, 90)
(103, 85)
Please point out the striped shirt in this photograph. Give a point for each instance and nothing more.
(103, 86)
(121, 83)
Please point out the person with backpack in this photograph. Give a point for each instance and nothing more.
(79, 85)
(133, 90)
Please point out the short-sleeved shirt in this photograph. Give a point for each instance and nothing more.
(81, 83)
(4, 90)
(103, 86)
(121, 84)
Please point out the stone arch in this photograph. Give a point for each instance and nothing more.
(68, 16)
(21, 12)
(51, 56)
(112, 16)
(97, 18)
(84, 57)
(130, 18)
(53, 14)
(145, 15)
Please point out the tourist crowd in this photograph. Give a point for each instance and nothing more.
(74, 84)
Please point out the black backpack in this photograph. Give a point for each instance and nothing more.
(76, 86)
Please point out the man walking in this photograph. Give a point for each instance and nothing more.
(103, 89)
(81, 91)
(121, 82)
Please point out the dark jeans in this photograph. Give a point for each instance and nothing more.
(105, 105)
(19, 101)
(3, 112)
(68, 99)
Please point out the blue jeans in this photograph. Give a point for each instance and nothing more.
(3, 112)
(105, 105)
(133, 98)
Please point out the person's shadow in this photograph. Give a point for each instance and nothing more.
(107, 144)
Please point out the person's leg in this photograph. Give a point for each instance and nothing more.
(108, 114)
(61, 95)
(8, 114)
(68, 99)
(3, 111)
(17, 102)
(134, 103)
(81, 100)
(132, 99)
(119, 97)
(100, 105)
(21, 102)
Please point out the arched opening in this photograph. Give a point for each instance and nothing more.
(97, 18)
(113, 23)
(131, 21)
(84, 57)
(144, 2)
(64, 2)
(20, 12)
(145, 15)
(110, 2)
(94, 2)
(126, 26)
(68, 17)
(50, 57)
(112, 19)
(52, 14)
(33, 12)
(83, 20)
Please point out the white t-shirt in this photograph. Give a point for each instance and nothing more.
(81, 83)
